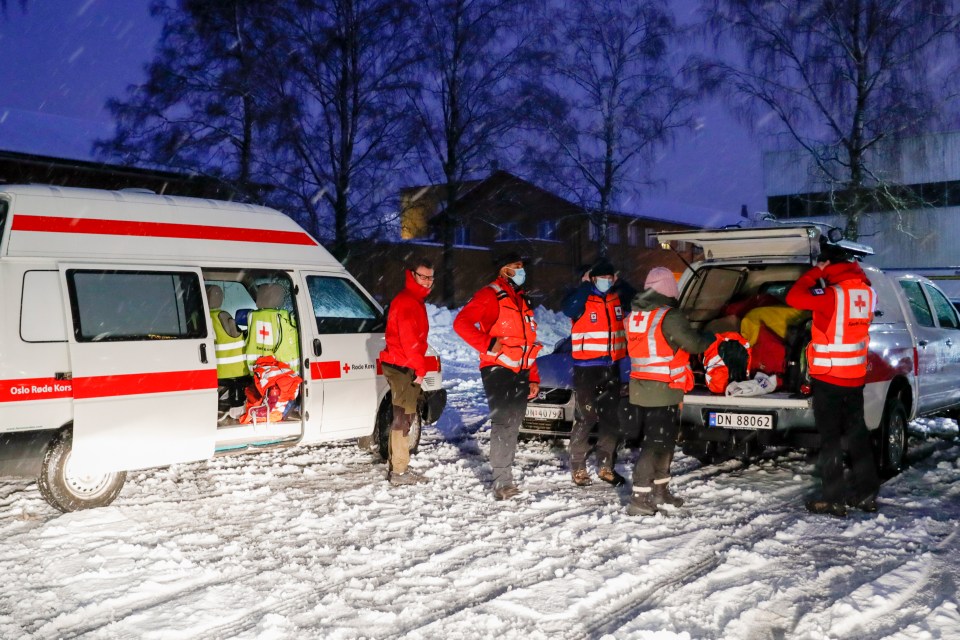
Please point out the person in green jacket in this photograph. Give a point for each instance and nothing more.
(659, 341)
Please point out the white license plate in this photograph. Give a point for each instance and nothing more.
(544, 413)
(740, 420)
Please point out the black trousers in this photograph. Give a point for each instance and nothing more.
(838, 412)
(661, 426)
(597, 391)
(507, 393)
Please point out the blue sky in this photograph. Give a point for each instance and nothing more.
(64, 58)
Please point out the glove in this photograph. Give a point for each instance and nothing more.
(734, 356)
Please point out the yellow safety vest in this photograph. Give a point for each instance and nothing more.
(231, 361)
(271, 332)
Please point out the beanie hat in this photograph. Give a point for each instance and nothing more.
(662, 280)
(503, 259)
(602, 268)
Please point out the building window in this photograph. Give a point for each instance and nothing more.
(593, 232)
(633, 235)
(547, 230)
(461, 236)
(509, 231)
(613, 233)
(650, 239)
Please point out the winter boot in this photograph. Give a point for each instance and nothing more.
(826, 507)
(642, 504)
(608, 475)
(662, 495)
(505, 492)
(407, 477)
(581, 478)
(868, 504)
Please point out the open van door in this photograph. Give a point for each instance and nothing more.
(783, 243)
(142, 365)
(348, 337)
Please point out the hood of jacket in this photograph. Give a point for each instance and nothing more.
(837, 272)
(649, 299)
(414, 288)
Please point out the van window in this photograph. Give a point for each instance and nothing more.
(946, 314)
(135, 305)
(918, 303)
(41, 308)
(4, 206)
(340, 307)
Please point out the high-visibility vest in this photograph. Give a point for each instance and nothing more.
(651, 356)
(715, 370)
(277, 384)
(231, 361)
(599, 331)
(841, 351)
(517, 331)
(271, 332)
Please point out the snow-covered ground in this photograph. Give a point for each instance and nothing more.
(313, 543)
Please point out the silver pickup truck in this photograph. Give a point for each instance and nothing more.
(913, 366)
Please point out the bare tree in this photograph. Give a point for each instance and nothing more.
(200, 108)
(607, 99)
(466, 102)
(841, 76)
(341, 76)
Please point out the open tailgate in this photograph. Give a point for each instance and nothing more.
(790, 243)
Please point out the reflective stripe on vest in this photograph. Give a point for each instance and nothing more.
(517, 331)
(599, 331)
(231, 361)
(651, 356)
(841, 352)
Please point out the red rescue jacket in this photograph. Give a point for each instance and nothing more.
(715, 370)
(407, 328)
(599, 331)
(651, 356)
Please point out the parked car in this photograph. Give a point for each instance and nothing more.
(553, 411)
(913, 363)
(913, 367)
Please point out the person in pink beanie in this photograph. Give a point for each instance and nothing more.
(660, 341)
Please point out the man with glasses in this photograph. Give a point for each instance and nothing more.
(404, 365)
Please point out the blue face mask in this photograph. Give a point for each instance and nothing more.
(519, 276)
(603, 284)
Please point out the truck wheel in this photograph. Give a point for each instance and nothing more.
(68, 491)
(893, 438)
(384, 419)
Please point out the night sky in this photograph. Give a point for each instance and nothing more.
(64, 58)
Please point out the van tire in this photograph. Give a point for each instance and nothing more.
(892, 445)
(382, 430)
(73, 493)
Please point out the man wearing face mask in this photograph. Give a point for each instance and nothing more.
(598, 342)
(404, 365)
(498, 322)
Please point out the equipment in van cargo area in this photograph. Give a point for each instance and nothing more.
(111, 349)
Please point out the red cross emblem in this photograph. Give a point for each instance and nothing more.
(346, 368)
(263, 332)
(860, 303)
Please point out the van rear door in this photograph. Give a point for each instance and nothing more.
(782, 243)
(142, 364)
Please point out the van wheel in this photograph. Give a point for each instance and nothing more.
(893, 438)
(68, 491)
(384, 419)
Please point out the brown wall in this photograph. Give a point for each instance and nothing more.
(551, 273)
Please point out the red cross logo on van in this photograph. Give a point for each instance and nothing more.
(346, 368)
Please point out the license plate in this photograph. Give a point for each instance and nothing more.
(740, 420)
(544, 413)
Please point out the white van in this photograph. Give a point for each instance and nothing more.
(107, 354)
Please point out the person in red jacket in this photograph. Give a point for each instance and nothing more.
(498, 322)
(404, 365)
(839, 294)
